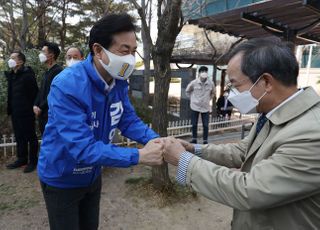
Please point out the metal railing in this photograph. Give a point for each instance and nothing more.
(180, 129)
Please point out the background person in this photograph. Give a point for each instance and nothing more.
(200, 91)
(49, 54)
(74, 55)
(22, 90)
(224, 106)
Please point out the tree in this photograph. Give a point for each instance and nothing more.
(28, 23)
(147, 11)
(170, 22)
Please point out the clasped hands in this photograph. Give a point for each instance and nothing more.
(162, 149)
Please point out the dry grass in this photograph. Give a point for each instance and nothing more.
(142, 188)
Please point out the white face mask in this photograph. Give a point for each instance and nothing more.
(244, 101)
(12, 63)
(43, 58)
(72, 61)
(119, 67)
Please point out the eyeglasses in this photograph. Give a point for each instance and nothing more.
(230, 86)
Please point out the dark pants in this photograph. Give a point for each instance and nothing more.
(73, 209)
(43, 119)
(26, 138)
(205, 124)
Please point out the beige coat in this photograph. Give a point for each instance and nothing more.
(278, 186)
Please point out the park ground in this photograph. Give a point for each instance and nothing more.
(125, 204)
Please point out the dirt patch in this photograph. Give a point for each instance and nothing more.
(123, 205)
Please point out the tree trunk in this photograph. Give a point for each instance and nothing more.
(160, 175)
(64, 26)
(146, 56)
(12, 28)
(41, 25)
(24, 28)
(107, 7)
(146, 78)
(169, 26)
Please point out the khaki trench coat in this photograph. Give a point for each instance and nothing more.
(278, 184)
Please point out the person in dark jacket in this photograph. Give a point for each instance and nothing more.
(49, 54)
(22, 91)
(224, 106)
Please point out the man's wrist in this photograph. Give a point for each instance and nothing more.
(141, 153)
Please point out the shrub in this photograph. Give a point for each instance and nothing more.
(143, 111)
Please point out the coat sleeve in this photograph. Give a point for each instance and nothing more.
(9, 94)
(131, 125)
(229, 155)
(70, 122)
(38, 97)
(31, 87)
(291, 173)
(189, 89)
(48, 81)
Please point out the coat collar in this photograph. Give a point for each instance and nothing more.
(92, 73)
(290, 110)
(295, 107)
(202, 83)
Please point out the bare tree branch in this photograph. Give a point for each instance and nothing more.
(231, 47)
(211, 44)
(143, 20)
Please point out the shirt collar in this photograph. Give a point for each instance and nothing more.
(202, 83)
(107, 88)
(268, 115)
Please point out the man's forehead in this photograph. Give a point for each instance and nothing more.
(73, 51)
(234, 67)
(125, 39)
(13, 55)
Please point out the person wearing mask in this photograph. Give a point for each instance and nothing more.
(224, 106)
(87, 103)
(48, 56)
(270, 178)
(200, 91)
(22, 91)
(73, 56)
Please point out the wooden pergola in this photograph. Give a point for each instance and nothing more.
(293, 20)
(297, 21)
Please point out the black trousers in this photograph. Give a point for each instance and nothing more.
(26, 138)
(205, 124)
(73, 209)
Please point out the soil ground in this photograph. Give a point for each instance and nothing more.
(123, 206)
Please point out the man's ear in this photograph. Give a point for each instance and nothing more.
(97, 50)
(268, 82)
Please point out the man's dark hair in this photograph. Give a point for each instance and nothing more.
(103, 30)
(52, 48)
(203, 69)
(20, 55)
(268, 55)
